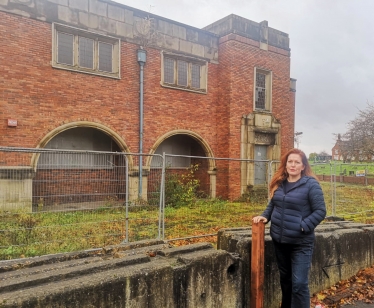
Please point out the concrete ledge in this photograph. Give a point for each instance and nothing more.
(142, 274)
(341, 250)
(154, 274)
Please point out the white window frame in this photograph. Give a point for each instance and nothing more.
(190, 61)
(97, 38)
(268, 89)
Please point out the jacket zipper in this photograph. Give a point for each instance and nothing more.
(284, 196)
(281, 234)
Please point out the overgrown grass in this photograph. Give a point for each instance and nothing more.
(32, 234)
(339, 168)
(351, 202)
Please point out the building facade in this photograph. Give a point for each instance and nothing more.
(98, 75)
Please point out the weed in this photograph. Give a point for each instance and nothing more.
(29, 234)
(181, 190)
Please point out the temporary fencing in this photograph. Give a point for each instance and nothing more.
(65, 200)
(62, 200)
(348, 188)
(216, 180)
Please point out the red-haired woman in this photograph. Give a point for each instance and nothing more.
(296, 208)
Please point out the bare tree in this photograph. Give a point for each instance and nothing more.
(359, 139)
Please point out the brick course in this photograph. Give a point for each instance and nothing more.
(42, 98)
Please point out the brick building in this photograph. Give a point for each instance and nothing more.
(339, 151)
(85, 74)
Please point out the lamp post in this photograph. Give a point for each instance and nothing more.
(297, 138)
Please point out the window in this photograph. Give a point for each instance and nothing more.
(184, 73)
(80, 138)
(175, 145)
(87, 52)
(262, 93)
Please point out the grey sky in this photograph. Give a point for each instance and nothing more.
(332, 53)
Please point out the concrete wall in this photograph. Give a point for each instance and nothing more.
(341, 250)
(153, 274)
(16, 188)
(144, 274)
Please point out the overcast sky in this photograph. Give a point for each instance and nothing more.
(332, 53)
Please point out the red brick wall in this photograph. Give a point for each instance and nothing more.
(43, 98)
(348, 179)
(238, 59)
(58, 186)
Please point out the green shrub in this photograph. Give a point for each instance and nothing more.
(181, 190)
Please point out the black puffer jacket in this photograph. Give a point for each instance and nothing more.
(296, 214)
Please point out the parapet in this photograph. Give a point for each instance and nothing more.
(141, 274)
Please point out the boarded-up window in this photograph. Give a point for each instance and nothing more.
(184, 73)
(84, 51)
(105, 57)
(175, 145)
(81, 138)
(65, 51)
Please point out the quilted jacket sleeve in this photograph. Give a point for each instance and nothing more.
(318, 207)
(268, 211)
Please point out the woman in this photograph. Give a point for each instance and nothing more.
(295, 209)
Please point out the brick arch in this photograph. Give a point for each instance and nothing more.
(112, 134)
(203, 143)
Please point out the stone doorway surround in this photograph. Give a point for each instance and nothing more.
(258, 128)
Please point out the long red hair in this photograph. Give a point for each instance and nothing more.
(281, 174)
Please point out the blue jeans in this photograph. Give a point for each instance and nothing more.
(294, 263)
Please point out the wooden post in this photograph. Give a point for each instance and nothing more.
(257, 265)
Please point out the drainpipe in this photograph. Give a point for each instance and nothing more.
(142, 58)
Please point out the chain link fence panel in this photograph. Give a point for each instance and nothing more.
(62, 200)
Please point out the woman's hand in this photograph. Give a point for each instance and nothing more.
(258, 219)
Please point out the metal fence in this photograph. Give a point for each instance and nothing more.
(63, 200)
(348, 187)
(60, 200)
(219, 179)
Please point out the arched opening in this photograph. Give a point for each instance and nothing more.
(83, 169)
(186, 151)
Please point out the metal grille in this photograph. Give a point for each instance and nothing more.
(195, 76)
(46, 206)
(169, 70)
(105, 57)
(86, 52)
(182, 73)
(348, 189)
(260, 91)
(65, 51)
(54, 207)
(197, 215)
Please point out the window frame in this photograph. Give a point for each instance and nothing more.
(97, 39)
(268, 89)
(177, 58)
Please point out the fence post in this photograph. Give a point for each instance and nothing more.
(127, 198)
(161, 223)
(257, 265)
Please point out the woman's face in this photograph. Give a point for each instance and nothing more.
(294, 166)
